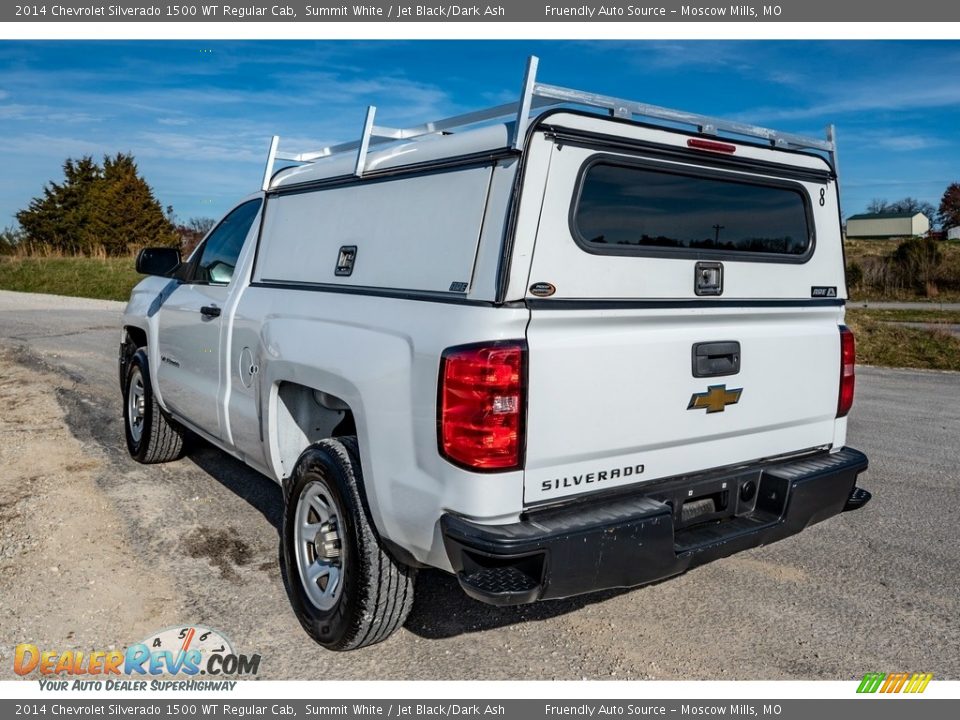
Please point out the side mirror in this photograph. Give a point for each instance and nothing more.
(162, 261)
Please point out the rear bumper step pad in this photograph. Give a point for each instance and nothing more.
(631, 539)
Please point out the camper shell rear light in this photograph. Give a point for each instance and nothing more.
(711, 146)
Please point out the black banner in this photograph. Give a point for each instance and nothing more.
(329, 709)
(295, 11)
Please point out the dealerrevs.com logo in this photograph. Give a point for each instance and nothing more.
(187, 652)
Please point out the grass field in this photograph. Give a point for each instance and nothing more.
(857, 249)
(860, 253)
(886, 344)
(102, 278)
(932, 315)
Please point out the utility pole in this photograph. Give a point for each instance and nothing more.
(716, 233)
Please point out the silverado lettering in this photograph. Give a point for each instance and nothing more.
(576, 480)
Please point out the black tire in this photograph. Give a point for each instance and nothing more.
(160, 438)
(376, 592)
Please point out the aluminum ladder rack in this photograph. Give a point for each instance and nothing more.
(536, 95)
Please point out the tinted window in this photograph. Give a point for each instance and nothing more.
(624, 208)
(218, 256)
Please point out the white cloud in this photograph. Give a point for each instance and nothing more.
(57, 147)
(879, 95)
(193, 147)
(45, 113)
(907, 143)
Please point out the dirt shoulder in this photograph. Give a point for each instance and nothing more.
(69, 579)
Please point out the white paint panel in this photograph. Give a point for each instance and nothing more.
(577, 273)
(611, 389)
(380, 355)
(412, 233)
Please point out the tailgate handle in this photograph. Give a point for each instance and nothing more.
(714, 359)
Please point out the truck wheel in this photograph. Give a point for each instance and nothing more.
(346, 590)
(152, 437)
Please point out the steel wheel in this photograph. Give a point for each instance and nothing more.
(136, 405)
(320, 552)
(151, 436)
(346, 590)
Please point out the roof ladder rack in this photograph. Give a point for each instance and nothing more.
(533, 96)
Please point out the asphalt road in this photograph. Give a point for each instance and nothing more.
(874, 590)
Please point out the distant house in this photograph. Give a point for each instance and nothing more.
(887, 225)
(953, 233)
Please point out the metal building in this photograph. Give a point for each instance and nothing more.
(887, 225)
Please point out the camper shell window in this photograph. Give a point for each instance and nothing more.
(646, 208)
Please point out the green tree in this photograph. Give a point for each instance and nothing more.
(60, 218)
(127, 213)
(949, 214)
(110, 207)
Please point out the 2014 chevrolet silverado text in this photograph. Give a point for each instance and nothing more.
(567, 344)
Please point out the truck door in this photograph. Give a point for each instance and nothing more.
(190, 325)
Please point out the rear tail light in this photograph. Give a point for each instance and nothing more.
(481, 405)
(848, 357)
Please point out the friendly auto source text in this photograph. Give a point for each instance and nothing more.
(638, 11)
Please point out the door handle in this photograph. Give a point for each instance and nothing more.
(210, 311)
(716, 359)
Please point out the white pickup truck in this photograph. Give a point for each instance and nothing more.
(562, 345)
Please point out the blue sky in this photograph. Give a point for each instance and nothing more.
(198, 115)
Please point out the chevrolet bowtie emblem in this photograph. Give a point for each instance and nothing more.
(715, 399)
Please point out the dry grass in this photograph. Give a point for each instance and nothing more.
(931, 315)
(868, 255)
(887, 344)
(105, 278)
(27, 250)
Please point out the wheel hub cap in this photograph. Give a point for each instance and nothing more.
(327, 541)
(319, 549)
(136, 405)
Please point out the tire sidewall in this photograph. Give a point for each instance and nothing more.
(138, 449)
(331, 628)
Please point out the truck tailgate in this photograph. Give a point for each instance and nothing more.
(613, 399)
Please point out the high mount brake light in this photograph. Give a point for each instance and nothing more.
(711, 145)
(848, 358)
(481, 405)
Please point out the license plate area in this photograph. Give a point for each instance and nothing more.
(710, 500)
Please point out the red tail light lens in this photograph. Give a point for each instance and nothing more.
(481, 405)
(711, 145)
(848, 358)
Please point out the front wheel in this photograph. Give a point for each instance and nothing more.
(152, 437)
(346, 590)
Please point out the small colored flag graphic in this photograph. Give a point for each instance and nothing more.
(894, 682)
